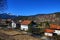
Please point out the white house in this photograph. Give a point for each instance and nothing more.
(48, 34)
(57, 32)
(25, 25)
(13, 24)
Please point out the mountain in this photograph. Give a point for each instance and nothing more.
(7, 16)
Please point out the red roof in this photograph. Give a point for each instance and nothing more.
(53, 26)
(49, 30)
(26, 22)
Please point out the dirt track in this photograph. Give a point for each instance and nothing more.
(6, 35)
(25, 37)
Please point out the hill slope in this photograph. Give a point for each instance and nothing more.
(38, 18)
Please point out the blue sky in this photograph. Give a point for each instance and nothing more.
(32, 7)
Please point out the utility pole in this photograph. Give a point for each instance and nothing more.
(3, 6)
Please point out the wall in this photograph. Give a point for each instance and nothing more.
(24, 27)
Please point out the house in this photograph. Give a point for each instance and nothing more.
(7, 23)
(53, 30)
(3, 21)
(11, 23)
(48, 32)
(26, 24)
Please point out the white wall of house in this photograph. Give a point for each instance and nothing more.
(24, 27)
(48, 34)
(57, 32)
(13, 25)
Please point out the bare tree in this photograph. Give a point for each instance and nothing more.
(3, 5)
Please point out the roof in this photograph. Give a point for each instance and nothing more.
(26, 22)
(49, 30)
(54, 26)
